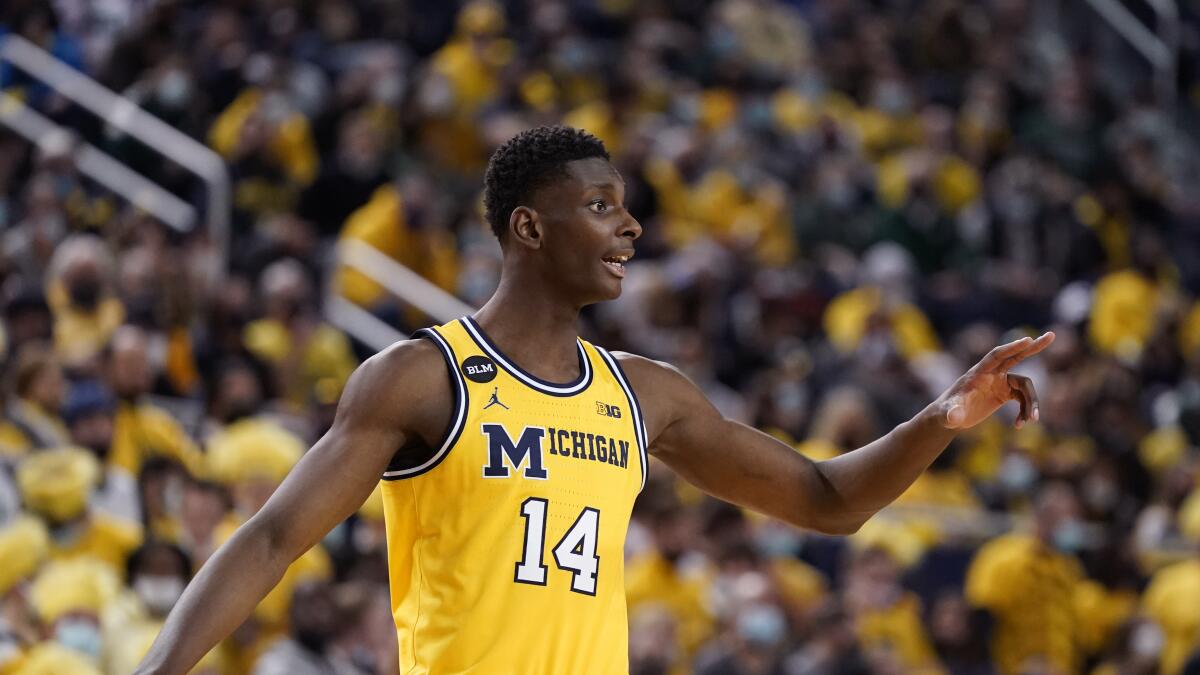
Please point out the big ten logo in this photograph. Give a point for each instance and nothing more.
(608, 410)
(479, 369)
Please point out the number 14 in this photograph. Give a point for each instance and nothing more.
(575, 552)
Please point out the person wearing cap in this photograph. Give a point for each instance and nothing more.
(56, 485)
(88, 412)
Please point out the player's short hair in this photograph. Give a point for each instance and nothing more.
(529, 161)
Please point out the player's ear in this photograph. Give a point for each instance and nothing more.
(525, 227)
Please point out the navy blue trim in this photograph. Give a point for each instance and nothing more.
(461, 408)
(639, 419)
(576, 386)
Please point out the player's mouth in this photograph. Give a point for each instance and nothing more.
(616, 264)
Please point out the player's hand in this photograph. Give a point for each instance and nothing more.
(989, 385)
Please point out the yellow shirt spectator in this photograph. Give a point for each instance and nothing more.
(141, 431)
(381, 224)
(1031, 590)
(653, 579)
(1171, 600)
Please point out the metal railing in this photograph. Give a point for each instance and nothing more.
(397, 279)
(1159, 46)
(99, 166)
(125, 115)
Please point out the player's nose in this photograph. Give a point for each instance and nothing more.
(630, 227)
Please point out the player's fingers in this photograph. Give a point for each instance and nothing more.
(1002, 353)
(1024, 392)
(1035, 347)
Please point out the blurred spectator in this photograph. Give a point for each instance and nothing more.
(1030, 583)
(140, 429)
(89, 414)
(844, 205)
(39, 388)
(315, 624)
(57, 485)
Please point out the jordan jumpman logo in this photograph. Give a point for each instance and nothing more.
(495, 400)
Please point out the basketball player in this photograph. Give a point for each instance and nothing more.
(511, 451)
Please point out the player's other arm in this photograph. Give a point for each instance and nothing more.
(398, 393)
(742, 465)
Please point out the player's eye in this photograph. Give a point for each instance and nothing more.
(598, 206)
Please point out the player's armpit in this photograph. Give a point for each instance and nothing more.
(398, 394)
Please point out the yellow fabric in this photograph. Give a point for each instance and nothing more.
(24, 544)
(848, 316)
(372, 509)
(900, 539)
(1102, 612)
(73, 586)
(1032, 592)
(381, 224)
(48, 658)
(291, 144)
(1188, 517)
(898, 628)
(80, 336)
(253, 448)
(596, 118)
(1163, 448)
(1123, 313)
(13, 442)
(56, 484)
(103, 538)
(326, 358)
(651, 580)
(470, 74)
(456, 537)
(800, 584)
(1189, 331)
(141, 431)
(1170, 601)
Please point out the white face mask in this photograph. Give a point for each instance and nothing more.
(81, 635)
(158, 593)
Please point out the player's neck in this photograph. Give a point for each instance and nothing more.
(535, 329)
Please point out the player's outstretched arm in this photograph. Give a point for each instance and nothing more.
(742, 465)
(398, 393)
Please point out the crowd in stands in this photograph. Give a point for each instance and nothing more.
(846, 203)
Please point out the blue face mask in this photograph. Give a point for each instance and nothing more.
(762, 625)
(1069, 537)
(81, 635)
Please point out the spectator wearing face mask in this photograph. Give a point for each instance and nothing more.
(315, 623)
(57, 486)
(79, 290)
(1030, 583)
(156, 573)
(69, 597)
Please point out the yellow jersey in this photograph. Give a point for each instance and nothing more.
(506, 542)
